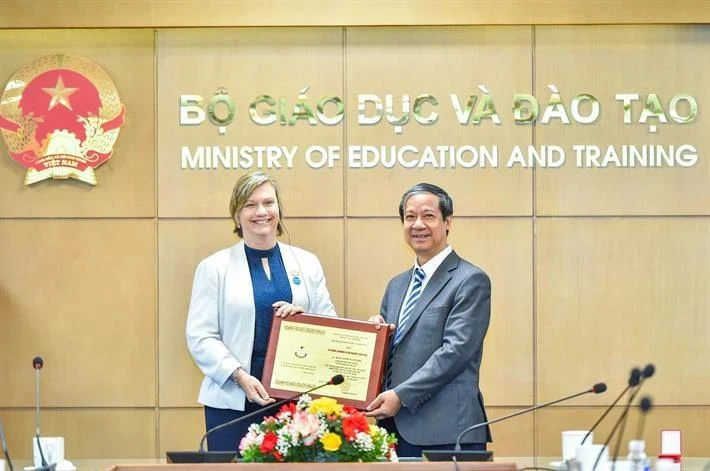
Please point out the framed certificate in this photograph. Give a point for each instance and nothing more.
(306, 350)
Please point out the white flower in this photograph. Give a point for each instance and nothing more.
(284, 417)
(303, 402)
(363, 441)
(285, 441)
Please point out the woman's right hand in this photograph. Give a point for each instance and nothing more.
(253, 388)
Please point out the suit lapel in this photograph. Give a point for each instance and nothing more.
(438, 281)
(237, 284)
(399, 290)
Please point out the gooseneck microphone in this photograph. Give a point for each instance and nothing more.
(646, 373)
(37, 364)
(4, 448)
(335, 380)
(634, 379)
(645, 406)
(596, 389)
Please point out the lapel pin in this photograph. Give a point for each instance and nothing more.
(295, 278)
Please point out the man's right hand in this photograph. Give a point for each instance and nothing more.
(253, 388)
(379, 321)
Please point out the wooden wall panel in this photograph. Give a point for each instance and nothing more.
(183, 243)
(507, 375)
(501, 246)
(88, 433)
(126, 182)
(617, 293)
(380, 63)
(604, 61)
(81, 294)
(171, 13)
(248, 63)
(180, 429)
(515, 437)
(692, 421)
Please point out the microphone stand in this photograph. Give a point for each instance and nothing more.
(335, 380)
(620, 436)
(620, 420)
(244, 417)
(37, 364)
(634, 379)
(443, 455)
(647, 372)
(4, 448)
(596, 389)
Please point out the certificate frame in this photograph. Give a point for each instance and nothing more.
(339, 325)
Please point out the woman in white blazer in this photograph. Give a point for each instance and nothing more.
(235, 294)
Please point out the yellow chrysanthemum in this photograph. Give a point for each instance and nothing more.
(326, 405)
(374, 430)
(331, 441)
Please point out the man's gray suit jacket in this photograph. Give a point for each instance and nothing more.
(436, 365)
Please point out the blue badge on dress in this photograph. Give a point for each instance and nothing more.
(295, 278)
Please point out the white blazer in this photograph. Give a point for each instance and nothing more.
(220, 321)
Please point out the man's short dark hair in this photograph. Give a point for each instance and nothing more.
(446, 204)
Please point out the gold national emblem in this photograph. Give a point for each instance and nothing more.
(60, 117)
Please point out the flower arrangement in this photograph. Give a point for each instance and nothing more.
(317, 430)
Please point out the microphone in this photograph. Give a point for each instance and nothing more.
(645, 406)
(37, 364)
(4, 448)
(634, 379)
(438, 455)
(335, 380)
(646, 373)
(596, 389)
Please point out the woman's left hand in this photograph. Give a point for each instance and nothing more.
(284, 309)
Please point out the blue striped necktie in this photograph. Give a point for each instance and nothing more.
(408, 308)
(409, 304)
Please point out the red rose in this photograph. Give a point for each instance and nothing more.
(269, 442)
(277, 456)
(353, 424)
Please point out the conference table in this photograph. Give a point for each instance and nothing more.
(498, 464)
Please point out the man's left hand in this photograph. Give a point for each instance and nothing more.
(386, 404)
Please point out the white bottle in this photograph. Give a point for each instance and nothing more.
(638, 460)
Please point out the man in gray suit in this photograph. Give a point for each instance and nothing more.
(440, 309)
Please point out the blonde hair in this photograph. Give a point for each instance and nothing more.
(243, 189)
